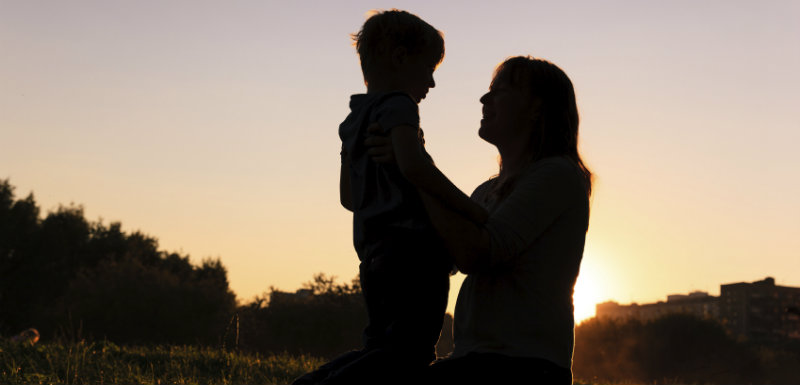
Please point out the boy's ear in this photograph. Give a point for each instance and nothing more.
(399, 56)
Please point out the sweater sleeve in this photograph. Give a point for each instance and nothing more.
(548, 189)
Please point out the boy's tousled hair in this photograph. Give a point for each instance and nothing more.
(386, 30)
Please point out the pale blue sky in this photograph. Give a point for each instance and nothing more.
(212, 126)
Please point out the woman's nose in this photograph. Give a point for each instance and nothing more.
(484, 98)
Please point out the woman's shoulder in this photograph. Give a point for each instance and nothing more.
(480, 192)
(553, 162)
(557, 171)
(554, 165)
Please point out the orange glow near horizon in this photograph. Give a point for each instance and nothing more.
(598, 280)
(589, 291)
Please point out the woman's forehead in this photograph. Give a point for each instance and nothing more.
(509, 77)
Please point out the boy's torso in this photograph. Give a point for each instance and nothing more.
(383, 200)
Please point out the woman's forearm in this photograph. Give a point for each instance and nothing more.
(467, 241)
(434, 183)
(417, 168)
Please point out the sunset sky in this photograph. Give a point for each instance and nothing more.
(212, 126)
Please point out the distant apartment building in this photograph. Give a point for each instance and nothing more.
(761, 311)
(697, 303)
(757, 311)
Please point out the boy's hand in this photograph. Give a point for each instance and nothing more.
(380, 146)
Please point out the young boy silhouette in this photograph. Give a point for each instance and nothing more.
(404, 266)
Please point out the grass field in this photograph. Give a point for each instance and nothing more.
(107, 363)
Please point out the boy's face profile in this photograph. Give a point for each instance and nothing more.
(414, 73)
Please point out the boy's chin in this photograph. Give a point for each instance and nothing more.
(482, 133)
(414, 97)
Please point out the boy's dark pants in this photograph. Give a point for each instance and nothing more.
(405, 281)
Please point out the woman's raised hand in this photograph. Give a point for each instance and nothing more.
(380, 145)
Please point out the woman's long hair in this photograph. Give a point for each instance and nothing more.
(556, 128)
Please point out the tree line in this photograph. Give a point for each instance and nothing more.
(75, 279)
(676, 347)
(72, 278)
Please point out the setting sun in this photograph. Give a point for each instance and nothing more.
(590, 288)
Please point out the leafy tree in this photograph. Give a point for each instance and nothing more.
(127, 301)
(674, 347)
(324, 318)
(19, 228)
(66, 273)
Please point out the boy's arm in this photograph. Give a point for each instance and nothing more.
(425, 176)
(345, 196)
(468, 242)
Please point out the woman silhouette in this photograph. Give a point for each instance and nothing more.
(514, 315)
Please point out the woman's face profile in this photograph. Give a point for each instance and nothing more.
(507, 114)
